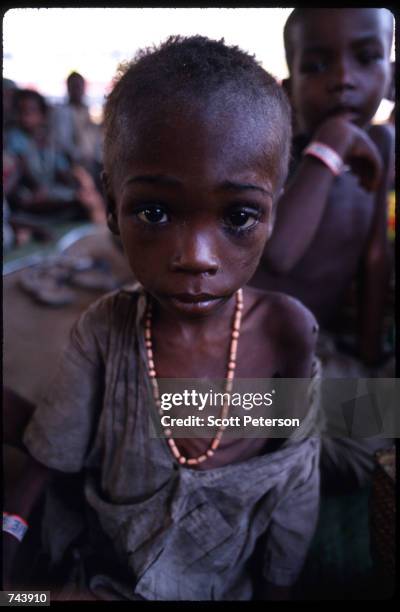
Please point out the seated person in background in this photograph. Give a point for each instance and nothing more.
(331, 226)
(44, 173)
(196, 151)
(47, 182)
(74, 131)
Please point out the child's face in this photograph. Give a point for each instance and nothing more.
(30, 115)
(194, 207)
(341, 65)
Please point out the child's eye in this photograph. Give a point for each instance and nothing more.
(313, 66)
(368, 57)
(242, 218)
(153, 215)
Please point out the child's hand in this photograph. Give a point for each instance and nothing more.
(355, 147)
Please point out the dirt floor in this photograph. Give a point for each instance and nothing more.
(35, 334)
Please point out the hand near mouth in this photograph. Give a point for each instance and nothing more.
(346, 111)
(354, 146)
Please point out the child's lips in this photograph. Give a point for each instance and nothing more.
(194, 298)
(200, 303)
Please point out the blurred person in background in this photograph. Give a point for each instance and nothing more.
(74, 131)
(48, 182)
(17, 229)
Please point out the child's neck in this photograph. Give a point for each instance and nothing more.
(192, 328)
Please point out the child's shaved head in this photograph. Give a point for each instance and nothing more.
(193, 74)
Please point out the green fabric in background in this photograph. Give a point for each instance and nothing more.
(339, 564)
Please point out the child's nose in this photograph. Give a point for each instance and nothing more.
(342, 76)
(195, 253)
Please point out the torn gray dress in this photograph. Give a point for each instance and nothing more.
(148, 527)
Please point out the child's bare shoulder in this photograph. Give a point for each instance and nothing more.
(285, 332)
(285, 317)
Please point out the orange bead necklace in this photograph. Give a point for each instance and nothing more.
(228, 388)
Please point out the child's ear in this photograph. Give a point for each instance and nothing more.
(112, 221)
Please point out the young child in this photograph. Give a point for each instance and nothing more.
(196, 151)
(331, 225)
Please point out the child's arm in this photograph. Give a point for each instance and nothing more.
(300, 208)
(57, 436)
(25, 480)
(375, 266)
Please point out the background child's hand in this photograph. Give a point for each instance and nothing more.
(355, 147)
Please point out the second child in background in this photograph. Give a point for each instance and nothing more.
(331, 224)
(330, 236)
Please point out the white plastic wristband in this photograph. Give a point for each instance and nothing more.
(327, 156)
(15, 525)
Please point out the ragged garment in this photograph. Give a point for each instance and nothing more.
(157, 530)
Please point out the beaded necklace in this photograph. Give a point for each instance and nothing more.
(228, 388)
